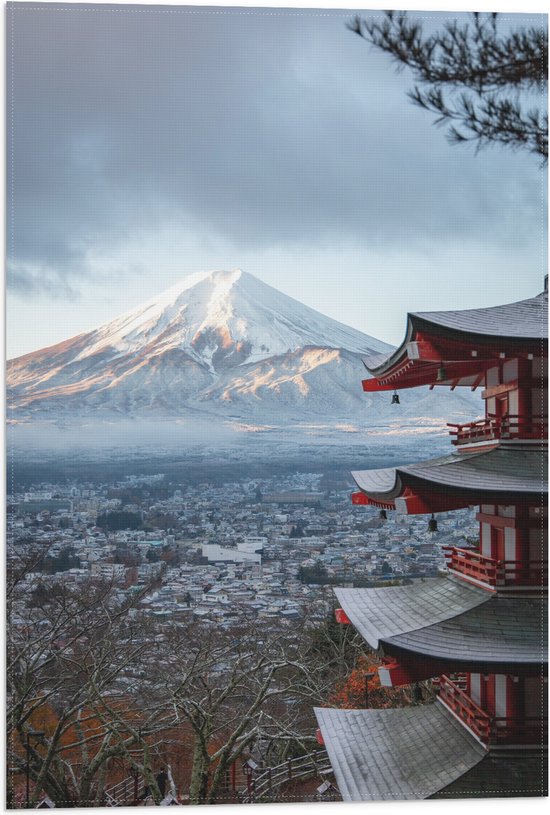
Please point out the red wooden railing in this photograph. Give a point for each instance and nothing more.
(496, 573)
(471, 563)
(481, 430)
(465, 708)
(490, 729)
(503, 427)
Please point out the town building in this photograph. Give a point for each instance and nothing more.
(479, 630)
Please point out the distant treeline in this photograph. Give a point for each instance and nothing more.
(117, 520)
(184, 470)
(317, 576)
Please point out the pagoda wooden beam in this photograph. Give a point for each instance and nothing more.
(497, 390)
(502, 522)
(402, 668)
(423, 372)
(393, 673)
(361, 499)
(479, 379)
(341, 617)
(374, 385)
(425, 503)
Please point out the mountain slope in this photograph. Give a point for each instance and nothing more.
(221, 344)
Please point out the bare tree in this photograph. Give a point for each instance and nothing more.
(91, 682)
(485, 84)
(236, 689)
(69, 648)
(92, 685)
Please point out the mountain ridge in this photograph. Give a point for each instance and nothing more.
(218, 343)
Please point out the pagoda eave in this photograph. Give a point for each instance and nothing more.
(477, 631)
(414, 373)
(361, 499)
(382, 613)
(400, 667)
(491, 475)
(457, 347)
(400, 753)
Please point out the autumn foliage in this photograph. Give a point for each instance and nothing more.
(362, 688)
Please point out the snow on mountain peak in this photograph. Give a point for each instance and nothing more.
(223, 317)
(221, 345)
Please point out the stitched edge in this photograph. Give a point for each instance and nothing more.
(13, 7)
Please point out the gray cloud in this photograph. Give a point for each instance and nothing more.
(265, 130)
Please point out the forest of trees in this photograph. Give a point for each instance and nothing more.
(119, 519)
(96, 691)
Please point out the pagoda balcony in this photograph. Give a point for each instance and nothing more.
(457, 700)
(495, 573)
(494, 428)
(491, 730)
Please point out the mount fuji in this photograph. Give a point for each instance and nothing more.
(221, 347)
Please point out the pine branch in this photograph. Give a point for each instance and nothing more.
(470, 76)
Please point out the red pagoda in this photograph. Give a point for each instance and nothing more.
(479, 631)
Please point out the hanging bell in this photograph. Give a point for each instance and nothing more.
(432, 524)
(383, 515)
(441, 374)
(395, 398)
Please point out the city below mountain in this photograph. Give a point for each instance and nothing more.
(221, 351)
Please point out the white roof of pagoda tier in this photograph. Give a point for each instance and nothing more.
(448, 620)
(385, 612)
(421, 752)
(455, 347)
(506, 470)
(397, 754)
(526, 319)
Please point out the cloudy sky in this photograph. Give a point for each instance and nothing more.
(149, 143)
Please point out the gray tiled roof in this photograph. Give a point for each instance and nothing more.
(519, 775)
(377, 360)
(524, 320)
(376, 482)
(502, 469)
(503, 631)
(396, 754)
(379, 614)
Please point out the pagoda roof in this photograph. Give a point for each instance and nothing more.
(503, 469)
(521, 774)
(447, 620)
(381, 613)
(519, 320)
(453, 347)
(396, 754)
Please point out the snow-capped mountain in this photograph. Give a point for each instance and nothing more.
(222, 345)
